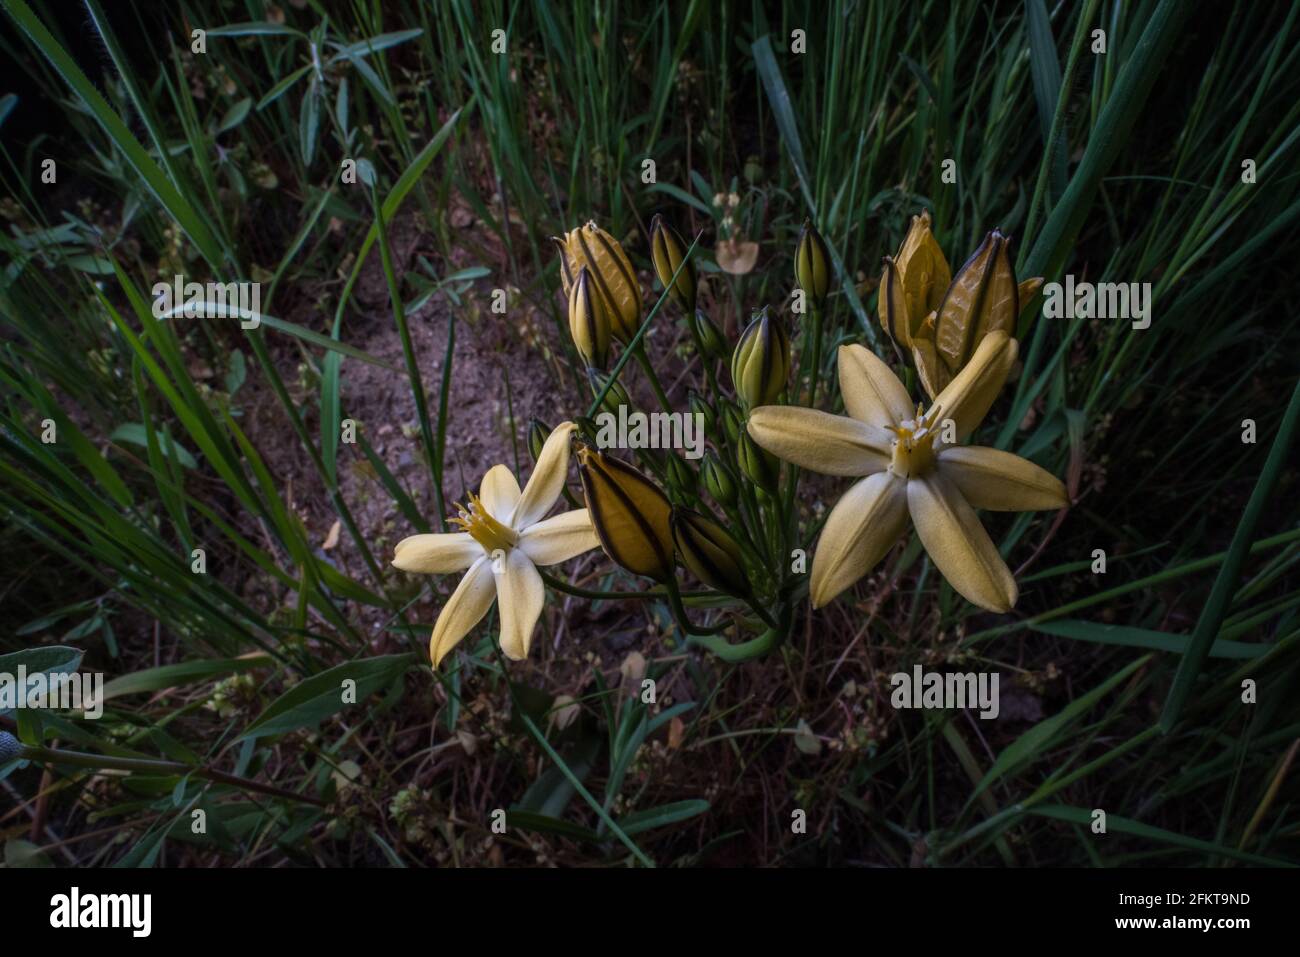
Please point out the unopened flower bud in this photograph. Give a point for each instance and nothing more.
(718, 481)
(615, 396)
(681, 476)
(611, 275)
(710, 337)
(761, 363)
(588, 320)
(700, 406)
(757, 464)
(709, 551)
(538, 433)
(733, 420)
(667, 252)
(913, 283)
(812, 265)
(630, 514)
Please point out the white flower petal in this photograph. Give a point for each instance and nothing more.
(819, 441)
(872, 393)
(520, 594)
(436, 554)
(500, 493)
(559, 538)
(971, 393)
(547, 481)
(1000, 481)
(864, 523)
(958, 545)
(464, 609)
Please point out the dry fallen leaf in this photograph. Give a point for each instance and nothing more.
(735, 257)
(633, 668)
(564, 711)
(805, 740)
(676, 730)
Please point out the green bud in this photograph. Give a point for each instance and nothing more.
(733, 420)
(681, 476)
(709, 551)
(710, 337)
(812, 265)
(667, 250)
(718, 481)
(761, 363)
(757, 464)
(616, 396)
(538, 433)
(587, 427)
(700, 406)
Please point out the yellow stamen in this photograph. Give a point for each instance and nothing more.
(483, 527)
(913, 449)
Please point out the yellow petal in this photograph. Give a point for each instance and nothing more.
(996, 480)
(436, 554)
(559, 538)
(872, 393)
(934, 375)
(500, 493)
(547, 481)
(958, 545)
(830, 444)
(1027, 290)
(464, 609)
(967, 398)
(891, 305)
(520, 594)
(862, 526)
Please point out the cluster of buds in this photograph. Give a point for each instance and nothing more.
(643, 532)
(602, 289)
(939, 319)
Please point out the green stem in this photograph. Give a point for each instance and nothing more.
(680, 616)
(569, 588)
(80, 759)
(648, 369)
(755, 647)
(816, 356)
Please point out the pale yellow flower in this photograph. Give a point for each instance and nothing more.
(911, 463)
(506, 536)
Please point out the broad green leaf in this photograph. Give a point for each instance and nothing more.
(134, 432)
(48, 660)
(169, 676)
(314, 699)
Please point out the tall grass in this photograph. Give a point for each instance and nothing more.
(1123, 166)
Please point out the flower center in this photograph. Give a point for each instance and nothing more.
(913, 446)
(483, 528)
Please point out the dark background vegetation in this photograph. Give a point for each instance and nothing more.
(1141, 182)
